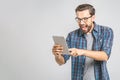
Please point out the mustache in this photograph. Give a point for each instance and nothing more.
(83, 25)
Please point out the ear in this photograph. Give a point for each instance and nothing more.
(93, 18)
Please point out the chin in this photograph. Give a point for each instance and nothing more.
(84, 31)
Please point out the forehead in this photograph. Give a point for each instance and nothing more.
(82, 14)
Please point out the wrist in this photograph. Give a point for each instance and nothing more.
(81, 52)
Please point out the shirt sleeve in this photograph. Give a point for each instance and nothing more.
(66, 57)
(108, 41)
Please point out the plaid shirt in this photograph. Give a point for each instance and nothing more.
(103, 40)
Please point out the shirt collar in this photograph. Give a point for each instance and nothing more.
(95, 27)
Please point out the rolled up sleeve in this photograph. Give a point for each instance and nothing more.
(108, 41)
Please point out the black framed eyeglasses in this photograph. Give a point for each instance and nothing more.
(82, 19)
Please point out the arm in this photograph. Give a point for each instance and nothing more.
(59, 59)
(97, 55)
(104, 52)
(57, 52)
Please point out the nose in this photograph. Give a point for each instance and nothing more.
(81, 22)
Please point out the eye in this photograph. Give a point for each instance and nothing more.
(85, 18)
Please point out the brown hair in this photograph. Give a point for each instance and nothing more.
(83, 7)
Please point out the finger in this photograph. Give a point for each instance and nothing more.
(56, 51)
(59, 51)
(73, 53)
(57, 45)
(70, 50)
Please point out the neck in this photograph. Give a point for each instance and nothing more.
(91, 28)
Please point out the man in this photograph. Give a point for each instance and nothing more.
(89, 46)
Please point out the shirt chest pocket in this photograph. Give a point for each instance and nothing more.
(98, 43)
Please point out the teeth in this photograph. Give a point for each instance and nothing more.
(83, 28)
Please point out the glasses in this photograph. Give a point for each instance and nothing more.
(82, 19)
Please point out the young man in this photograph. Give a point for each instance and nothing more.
(90, 47)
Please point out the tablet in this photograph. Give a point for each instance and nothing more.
(61, 41)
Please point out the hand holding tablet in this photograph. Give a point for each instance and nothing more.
(60, 40)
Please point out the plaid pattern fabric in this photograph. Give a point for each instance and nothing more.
(103, 40)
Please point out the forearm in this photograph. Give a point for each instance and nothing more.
(97, 55)
(59, 59)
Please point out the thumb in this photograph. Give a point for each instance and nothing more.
(70, 50)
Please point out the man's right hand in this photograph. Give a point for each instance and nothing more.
(57, 50)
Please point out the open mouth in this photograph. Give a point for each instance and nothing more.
(84, 28)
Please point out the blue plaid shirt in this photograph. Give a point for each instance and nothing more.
(103, 40)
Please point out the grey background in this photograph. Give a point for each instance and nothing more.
(26, 29)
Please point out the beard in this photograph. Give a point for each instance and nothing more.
(85, 28)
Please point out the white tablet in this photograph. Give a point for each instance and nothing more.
(61, 41)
